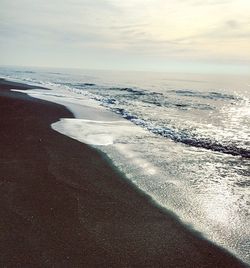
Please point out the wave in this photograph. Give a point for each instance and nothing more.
(205, 95)
(84, 85)
(184, 137)
(161, 100)
(117, 102)
(145, 97)
(77, 85)
(129, 90)
(25, 72)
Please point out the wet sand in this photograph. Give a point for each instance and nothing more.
(63, 205)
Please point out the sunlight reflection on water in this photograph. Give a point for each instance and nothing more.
(193, 157)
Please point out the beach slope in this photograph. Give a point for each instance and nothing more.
(63, 205)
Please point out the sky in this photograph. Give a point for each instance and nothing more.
(155, 35)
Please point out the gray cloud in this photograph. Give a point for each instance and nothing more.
(234, 24)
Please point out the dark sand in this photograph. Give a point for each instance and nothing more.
(62, 205)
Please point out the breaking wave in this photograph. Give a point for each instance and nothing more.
(185, 137)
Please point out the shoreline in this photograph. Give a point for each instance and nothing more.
(64, 206)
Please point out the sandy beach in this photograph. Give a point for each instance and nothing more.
(63, 205)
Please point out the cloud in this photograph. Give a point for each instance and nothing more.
(188, 29)
(210, 2)
(234, 24)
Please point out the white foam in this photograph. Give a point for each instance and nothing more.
(95, 132)
(94, 125)
(81, 106)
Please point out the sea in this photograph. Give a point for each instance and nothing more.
(182, 138)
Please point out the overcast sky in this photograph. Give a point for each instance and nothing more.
(130, 34)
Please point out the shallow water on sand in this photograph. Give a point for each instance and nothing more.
(185, 140)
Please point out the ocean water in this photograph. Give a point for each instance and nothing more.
(184, 139)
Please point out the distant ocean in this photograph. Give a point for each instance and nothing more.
(193, 156)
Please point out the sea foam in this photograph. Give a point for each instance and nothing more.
(95, 132)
